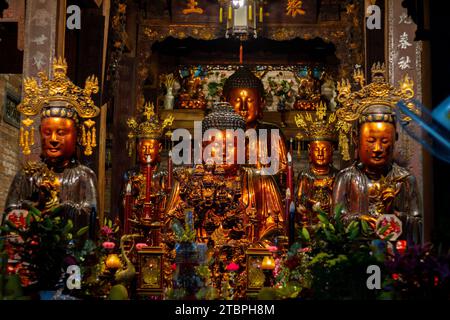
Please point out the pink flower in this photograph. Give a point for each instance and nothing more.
(140, 245)
(307, 249)
(232, 267)
(108, 245)
(173, 266)
(272, 248)
(105, 230)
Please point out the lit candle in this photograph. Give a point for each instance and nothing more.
(170, 169)
(290, 183)
(128, 201)
(220, 14)
(268, 263)
(148, 188)
(241, 54)
(287, 203)
(260, 14)
(230, 13)
(113, 262)
(250, 15)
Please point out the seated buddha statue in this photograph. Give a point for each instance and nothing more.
(314, 185)
(245, 92)
(375, 185)
(59, 179)
(148, 132)
(227, 196)
(191, 95)
(233, 206)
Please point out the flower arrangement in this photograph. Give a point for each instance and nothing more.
(281, 88)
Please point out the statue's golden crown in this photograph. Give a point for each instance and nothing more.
(378, 92)
(320, 127)
(151, 127)
(59, 89)
(58, 97)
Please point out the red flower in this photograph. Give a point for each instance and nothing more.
(173, 266)
(436, 281)
(232, 267)
(395, 276)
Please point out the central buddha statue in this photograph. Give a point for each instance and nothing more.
(228, 199)
(245, 92)
(233, 207)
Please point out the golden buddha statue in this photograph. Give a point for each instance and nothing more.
(314, 185)
(245, 92)
(233, 206)
(375, 185)
(222, 191)
(146, 184)
(191, 95)
(58, 179)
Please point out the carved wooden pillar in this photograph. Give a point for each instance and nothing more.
(41, 19)
(405, 58)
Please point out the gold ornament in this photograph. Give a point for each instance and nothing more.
(59, 90)
(322, 127)
(151, 127)
(378, 92)
(294, 7)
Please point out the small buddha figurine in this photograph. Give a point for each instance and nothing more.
(58, 179)
(245, 92)
(148, 133)
(375, 185)
(314, 185)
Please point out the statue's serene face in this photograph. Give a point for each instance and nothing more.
(58, 138)
(321, 153)
(247, 102)
(149, 147)
(376, 144)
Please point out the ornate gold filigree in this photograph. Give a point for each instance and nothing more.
(59, 89)
(322, 127)
(151, 127)
(378, 92)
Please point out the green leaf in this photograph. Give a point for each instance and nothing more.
(323, 218)
(388, 237)
(34, 211)
(68, 226)
(383, 230)
(305, 234)
(365, 226)
(110, 224)
(82, 231)
(338, 211)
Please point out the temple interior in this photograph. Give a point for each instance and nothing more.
(224, 149)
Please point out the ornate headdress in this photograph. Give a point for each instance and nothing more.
(373, 102)
(243, 78)
(355, 104)
(151, 127)
(322, 127)
(59, 97)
